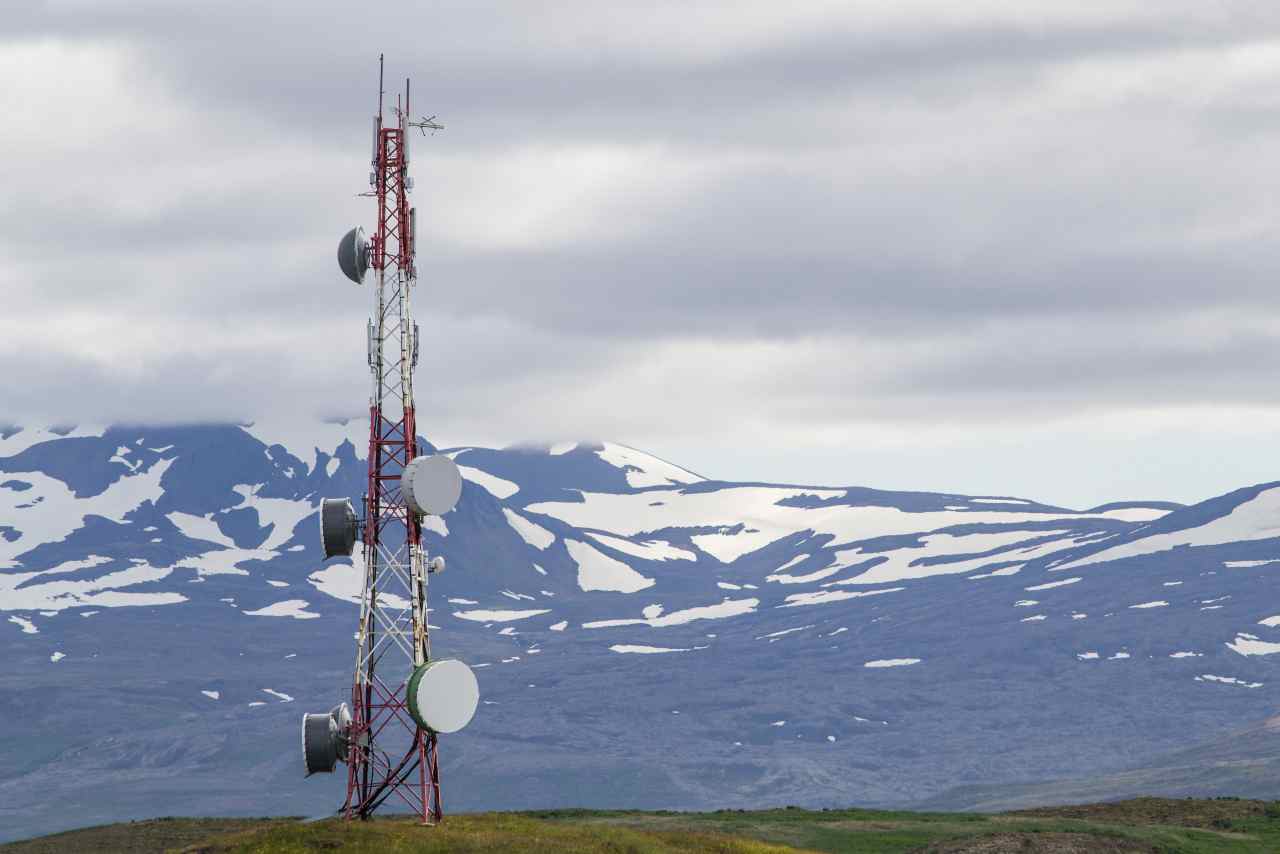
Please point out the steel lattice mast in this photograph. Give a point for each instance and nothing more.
(400, 697)
(390, 756)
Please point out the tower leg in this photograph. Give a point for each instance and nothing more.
(431, 790)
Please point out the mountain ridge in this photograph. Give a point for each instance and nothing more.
(776, 643)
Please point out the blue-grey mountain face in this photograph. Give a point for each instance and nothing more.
(643, 637)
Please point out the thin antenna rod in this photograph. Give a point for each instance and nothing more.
(380, 90)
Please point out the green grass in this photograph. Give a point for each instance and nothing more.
(1158, 826)
(483, 833)
(153, 835)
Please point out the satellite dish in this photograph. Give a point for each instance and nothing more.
(338, 527)
(431, 485)
(443, 695)
(324, 739)
(353, 254)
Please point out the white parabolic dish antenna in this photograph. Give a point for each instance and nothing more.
(443, 695)
(431, 485)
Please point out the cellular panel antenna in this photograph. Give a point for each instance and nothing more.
(401, 697)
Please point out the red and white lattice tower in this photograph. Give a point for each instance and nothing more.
(395, 573)
(390, 750)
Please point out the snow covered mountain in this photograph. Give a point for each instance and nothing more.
(643, 636)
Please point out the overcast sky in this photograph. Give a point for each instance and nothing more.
(1021, 248)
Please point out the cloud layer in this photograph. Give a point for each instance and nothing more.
(896, 244)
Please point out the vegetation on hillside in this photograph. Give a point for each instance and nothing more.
(1151, 825)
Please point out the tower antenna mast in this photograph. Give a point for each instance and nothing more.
(401, 697)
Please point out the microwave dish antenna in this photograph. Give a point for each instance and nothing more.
(324, 739)
(339, 528)
(443, 695)
(431, 485)
(353, 255)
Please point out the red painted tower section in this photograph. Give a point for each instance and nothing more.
(390, 758)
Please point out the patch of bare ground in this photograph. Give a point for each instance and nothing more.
(1040, 843)
(1213, 814)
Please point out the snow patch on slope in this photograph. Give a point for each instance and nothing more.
(18, 594)
(52, 511)
(723, 610)
(648, 550)
(296, 608)
(649, 650)
(817, 575)
(307, 440)
(494, 485)
(1250, 645)
(345, 581)
(1052, 584)
(598, 571)
(491, 616)
(28, 627)
(200, 528)
(643, 469)
(30, 436)
(728, 545)
(1255, 519)
(534, 535)
(1227, 680)
(282, 514)
(822, 597)
(908, 563)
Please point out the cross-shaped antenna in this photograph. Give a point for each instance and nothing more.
(428, 123)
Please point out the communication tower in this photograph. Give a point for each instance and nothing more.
(401, 698)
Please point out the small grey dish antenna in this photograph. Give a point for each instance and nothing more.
(339, 528)
(324, 739)
(353, 254)
(443, 695)
(431, 485)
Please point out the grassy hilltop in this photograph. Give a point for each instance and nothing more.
(1154, 825)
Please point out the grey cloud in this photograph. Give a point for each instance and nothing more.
(657, 290)
(958, 223)
(1106, 370)
(245, 56)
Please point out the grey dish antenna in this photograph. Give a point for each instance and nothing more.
(353, 254)
(431, 485)
(443, 695)
(324, 739)
(339, 528)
